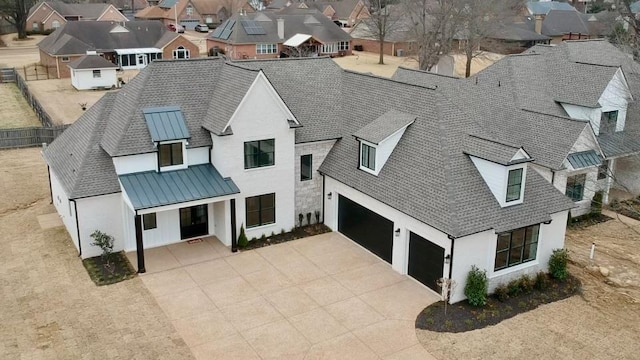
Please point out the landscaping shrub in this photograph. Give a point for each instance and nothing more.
(104, 242)
(596, 203)
(514, 288)
(542, 281)
(501, 292)
(527, 284)
(477, 286)
(242, 238)
(558, 264)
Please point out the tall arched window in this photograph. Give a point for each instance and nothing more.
(181, 53)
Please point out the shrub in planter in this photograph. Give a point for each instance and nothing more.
(558, 264)
(501, 292)
(527, 284)
(104, 242)
(596, 203)
(514, 288)
(542, 281)
(242, 238)
(477, 286)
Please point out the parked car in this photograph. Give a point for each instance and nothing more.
(202, 28)
(176, 28)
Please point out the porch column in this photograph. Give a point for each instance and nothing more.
(234, 239)
(608, 181)
(139, 245)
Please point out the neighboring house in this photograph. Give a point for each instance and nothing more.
(543, 7)
(92, 71)
(190, 13)
(414, 177)
(400, 42)
(50, 15)
(263, 35)
(582, 87)
(345, 12)
(514, 38)
(559, 25)
(130, 45)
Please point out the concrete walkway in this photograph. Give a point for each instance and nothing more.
(322, 297)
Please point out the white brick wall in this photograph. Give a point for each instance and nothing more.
(309, 192)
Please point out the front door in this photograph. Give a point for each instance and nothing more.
(193, 222)
(141, 60)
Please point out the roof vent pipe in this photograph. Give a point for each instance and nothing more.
(281, 28)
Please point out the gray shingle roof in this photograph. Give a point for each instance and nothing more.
(560, 22)
(86, 11)
(92, 62)
(384, 126)
(423, 78)
(165, 123)
(83, 168)
(543, 7)
(76, 37)
(310, 22)
(491, 150)
(152, 189)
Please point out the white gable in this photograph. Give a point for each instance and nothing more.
(496, 177)
(119, 29)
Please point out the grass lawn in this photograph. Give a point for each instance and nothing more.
(16, 113)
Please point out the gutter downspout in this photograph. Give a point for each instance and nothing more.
(453, 242)
(75, 209)
(57, 66)
(50, 188)
(323, 178)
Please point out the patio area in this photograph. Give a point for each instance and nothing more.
(315, 298)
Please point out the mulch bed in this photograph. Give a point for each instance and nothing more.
(463, 317)
(119, 269)
(630, 208)
(296, 233)
(585, 221)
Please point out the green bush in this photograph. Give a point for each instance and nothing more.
(527, 284)
(242, 238)
(558, 264)
(596, 203)
(542, 281)
(104, 242)
(477, 286)
(514, 288)
(501, 292)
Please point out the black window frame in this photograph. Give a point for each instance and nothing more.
(259, 156)
(149, 221)
(97, 74)
(172, 156)
(575, 190)
(368, 161)
(512, 185)
(266, 214)
(516, 249)
(608, 123)
(306, 170)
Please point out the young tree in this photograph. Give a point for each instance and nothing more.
(16, 12)
(382, 22)
(434, 25)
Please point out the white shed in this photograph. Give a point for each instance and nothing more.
(93, 72)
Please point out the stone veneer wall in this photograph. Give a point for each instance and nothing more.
(309, 192)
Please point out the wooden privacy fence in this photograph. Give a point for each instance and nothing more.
(31, 136)
(42, 115)
(38, 72)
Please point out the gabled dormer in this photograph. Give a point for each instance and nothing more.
(608, 114)
(378, 139)
(170, 136)
(503, 168)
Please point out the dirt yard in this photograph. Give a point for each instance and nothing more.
(49, 308)
(602, 323)
(14, 110)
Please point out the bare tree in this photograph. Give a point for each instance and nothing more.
(481, 20)
(382, 22)
(434, 24)
(16, 12)
(627, 37)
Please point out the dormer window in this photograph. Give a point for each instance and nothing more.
(514, 185)
(368, 156)
(608, 122)
(170, 154)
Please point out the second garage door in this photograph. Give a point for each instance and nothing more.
(365, 227)
(426, 261)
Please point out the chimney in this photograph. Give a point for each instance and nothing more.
(538, 24)
(281, 28)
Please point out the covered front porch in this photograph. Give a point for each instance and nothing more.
(189, 210)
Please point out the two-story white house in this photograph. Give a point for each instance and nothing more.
(411, 176)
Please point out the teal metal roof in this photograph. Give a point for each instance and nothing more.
(151, 189)
(583, 159)
(166, 123)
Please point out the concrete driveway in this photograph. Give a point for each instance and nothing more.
(321, 297)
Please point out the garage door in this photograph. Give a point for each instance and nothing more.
(426, 260)
(365, 227)
(189, 24)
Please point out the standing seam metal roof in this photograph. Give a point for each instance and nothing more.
(166, 123)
